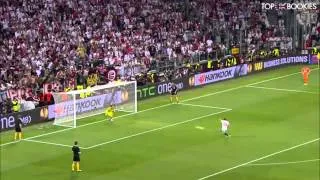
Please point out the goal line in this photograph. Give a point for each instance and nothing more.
(222, 110)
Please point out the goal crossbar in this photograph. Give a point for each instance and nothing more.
(73, 105)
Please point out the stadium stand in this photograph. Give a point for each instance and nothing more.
(93, 41)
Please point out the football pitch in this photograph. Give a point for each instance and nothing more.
(274, 136)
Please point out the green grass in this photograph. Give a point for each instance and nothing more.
(167, 143)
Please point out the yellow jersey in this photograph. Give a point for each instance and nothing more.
(109, 111)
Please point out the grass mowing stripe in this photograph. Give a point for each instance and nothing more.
(284, 163)
(204, 106)
(210, 94)
(258, 159)
(279, 89)
(156, 129)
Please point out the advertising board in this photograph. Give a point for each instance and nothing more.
(27, 118)
(161, 88)
(301, 59)
(221, 74)
(84, 105)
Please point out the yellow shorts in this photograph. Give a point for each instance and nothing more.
(110, 115)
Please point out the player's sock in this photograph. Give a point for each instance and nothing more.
(171, 99)
(20, 136)
(177, 99)
(15, 136)
(73, 165)
(78, 166)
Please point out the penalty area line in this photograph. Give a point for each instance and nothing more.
(279, 89)
(49, 143)
(156, 129)
(258, 159)
(204, 106)
(283, 163)
(103, 120)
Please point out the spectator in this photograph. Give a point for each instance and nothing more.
(59, 41)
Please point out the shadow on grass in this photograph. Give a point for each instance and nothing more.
(75, 175)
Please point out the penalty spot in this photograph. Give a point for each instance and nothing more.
(200, 127)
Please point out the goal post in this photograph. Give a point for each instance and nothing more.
(74, 105)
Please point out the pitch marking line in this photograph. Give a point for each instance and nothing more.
(284, 163)
(204, 106)
(279, 89)
(200, 127)
(157, 129)
(258, 159)
(63, 145)
(280, 77)
(88, 124)
(210, 94)
(12, 142)
(44, 142)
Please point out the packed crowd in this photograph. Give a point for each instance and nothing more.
(46, 40)
(66, 41)
(312, 24)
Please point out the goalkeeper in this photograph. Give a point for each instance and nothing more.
(110, 113)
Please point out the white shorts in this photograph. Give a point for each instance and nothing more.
(224, 130)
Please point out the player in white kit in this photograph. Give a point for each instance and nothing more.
(224, 126)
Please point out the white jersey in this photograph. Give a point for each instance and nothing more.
(224, 124)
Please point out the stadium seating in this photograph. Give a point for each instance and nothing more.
(55, 41)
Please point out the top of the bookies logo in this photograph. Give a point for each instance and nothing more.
(289, 6)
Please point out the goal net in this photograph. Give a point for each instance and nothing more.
(74, 105)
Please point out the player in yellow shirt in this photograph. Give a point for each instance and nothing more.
(110, 113)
